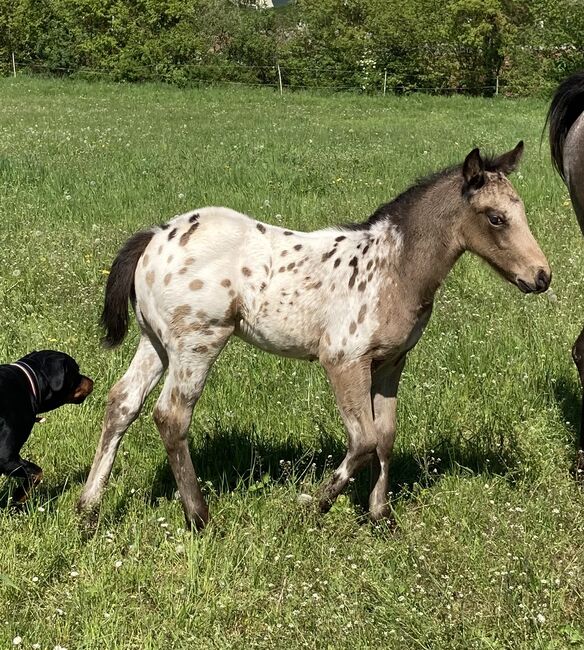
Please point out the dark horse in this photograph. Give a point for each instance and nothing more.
(566, 131)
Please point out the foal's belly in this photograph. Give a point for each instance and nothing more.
(295, 341)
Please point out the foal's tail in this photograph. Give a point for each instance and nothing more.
(120, 288)
(567, 104)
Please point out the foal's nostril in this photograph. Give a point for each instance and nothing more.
(542, 280)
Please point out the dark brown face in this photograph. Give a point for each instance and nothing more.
(82, 390)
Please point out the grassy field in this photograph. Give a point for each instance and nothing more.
(488, 547)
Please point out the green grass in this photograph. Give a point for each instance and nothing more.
(488, 548)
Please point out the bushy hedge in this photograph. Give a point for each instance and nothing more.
(525, 46)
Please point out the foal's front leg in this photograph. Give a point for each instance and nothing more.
(384, 404)
(351, 383)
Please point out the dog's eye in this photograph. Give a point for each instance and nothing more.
(496, 219)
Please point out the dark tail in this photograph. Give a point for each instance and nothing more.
(115, 317)
(566, 106)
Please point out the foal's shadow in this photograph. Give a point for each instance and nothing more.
(568, 397)
(231, 459)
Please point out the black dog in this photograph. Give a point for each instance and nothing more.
(39, 382)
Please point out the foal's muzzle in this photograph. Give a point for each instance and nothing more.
(539, 284)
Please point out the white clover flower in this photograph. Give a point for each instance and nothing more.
(17, 640)
(118, 564)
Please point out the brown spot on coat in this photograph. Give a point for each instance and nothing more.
(281, 269)
(145, 260)
(194, 217)
(171, 234)
(340, 238)
(288, 232)
(246, 271)
(284, 253)
(353, 263)
(337, 262)
(352, 327)
(196, 284)
(187, 235)
(291, 266)
(297, 247)
(362, 313)
(226, 283)
(369, 264)
(261, 227)
(362, 285)
(328, 255)
(150, 278)
(201, 349)
(167, 278)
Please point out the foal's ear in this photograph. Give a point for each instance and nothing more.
(473, 172)
(509, 161)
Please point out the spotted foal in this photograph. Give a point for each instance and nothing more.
(355, 298)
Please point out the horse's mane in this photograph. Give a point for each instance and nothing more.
(566, 106)
(395, 210)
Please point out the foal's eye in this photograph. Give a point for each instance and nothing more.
(496, 219)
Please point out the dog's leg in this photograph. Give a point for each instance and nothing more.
(29, 473)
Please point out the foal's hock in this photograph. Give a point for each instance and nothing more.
(357, 298)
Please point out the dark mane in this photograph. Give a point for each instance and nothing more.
(565, 108)
(398, 207)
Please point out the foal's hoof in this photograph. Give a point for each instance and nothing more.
(197, 521)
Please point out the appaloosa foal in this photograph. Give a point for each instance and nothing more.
(356, 298)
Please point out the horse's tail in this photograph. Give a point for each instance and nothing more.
(120, 288)
(567, 104)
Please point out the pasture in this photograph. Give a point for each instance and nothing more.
(487, 550)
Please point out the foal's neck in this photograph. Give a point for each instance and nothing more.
(429, 226)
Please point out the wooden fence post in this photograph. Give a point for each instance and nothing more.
(280, 78)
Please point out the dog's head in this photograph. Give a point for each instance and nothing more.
(59, 379)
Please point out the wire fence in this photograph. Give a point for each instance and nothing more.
(279, 76)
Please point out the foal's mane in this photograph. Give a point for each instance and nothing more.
(397, 209)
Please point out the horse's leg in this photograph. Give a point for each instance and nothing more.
(384, 405)
(187, 374)
(124, 403)
(351, 383)
(578, 356)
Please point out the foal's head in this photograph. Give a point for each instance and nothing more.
(495, 226)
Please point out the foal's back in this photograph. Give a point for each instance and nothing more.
(215, 271)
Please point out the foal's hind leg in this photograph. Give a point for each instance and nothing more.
(578, 356)
(351, 384)
(124, 403)
(185, 382)
(384, 404)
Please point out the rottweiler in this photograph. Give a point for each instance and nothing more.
(37, 383)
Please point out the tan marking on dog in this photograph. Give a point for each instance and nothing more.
(195, 284)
